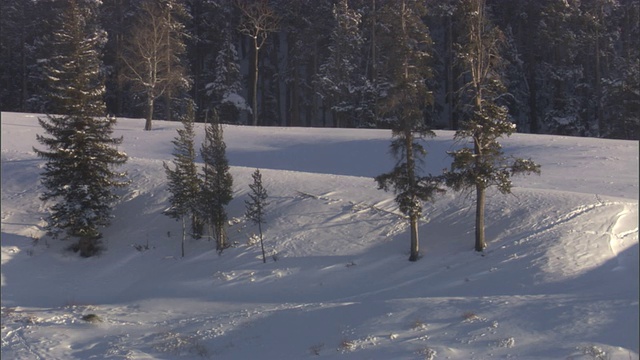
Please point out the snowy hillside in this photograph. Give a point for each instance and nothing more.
(559, 279)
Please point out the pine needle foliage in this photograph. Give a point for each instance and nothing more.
(183, 181)
(79, 174)
(404, 107)
(256, 206)
(217, 187)
(483, 164)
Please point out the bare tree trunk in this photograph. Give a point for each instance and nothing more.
(411, 162)
(480, 190)
(598, 87)
(119, 79)
(184, 234)
(287, 104)
(480, 199)
(147, 124)
(311, 72)
(449, 86)
(336, 118)
(295, 103)
(258, 20)
(413, 217)
(277, 82)
(254, 104)
(415, 247)
(23, 61)
(374, 60)
(23, 69)
(167, 94)
(220, 238)
(223, 237)
(477, 71)
(533, 99)
(324, 114)
(264, 256)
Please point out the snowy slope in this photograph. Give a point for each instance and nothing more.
(559, 279)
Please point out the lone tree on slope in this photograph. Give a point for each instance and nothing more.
(257, 205)
(217, 186)
(484, 165)
(79, 170)
(184, 184)
(405, 103)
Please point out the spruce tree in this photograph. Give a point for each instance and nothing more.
(408, 68)
(184, 184)
(621, 87)
(341, 78)
(79, 171)
(217, 187)
(257, 205)
(226, 89)
(482, 163)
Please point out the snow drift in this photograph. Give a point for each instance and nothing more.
(559, 279)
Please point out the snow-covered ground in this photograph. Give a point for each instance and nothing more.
(559, 279)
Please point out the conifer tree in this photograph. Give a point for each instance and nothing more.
(257, 205)
(226, 88)
(404, 107)
(341, 78)
(621, 88)
(17, 32)
(217, 187)
(184, 184)
(484, 164)
(81, 155)
(117, 18)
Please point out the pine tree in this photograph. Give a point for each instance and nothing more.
(257, 205)
(407, 66)
(341, 78)
(183, 182)
(81, 154)
(226, 89)
(217, 187)
(484, 164)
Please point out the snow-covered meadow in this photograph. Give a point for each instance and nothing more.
(559, 279)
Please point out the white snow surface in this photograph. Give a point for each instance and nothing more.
(559, 279)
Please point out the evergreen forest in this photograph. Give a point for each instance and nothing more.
(567, 67)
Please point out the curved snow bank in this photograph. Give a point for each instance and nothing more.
(559, 279)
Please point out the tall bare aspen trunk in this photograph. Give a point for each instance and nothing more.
(147, 124)
(254, 101)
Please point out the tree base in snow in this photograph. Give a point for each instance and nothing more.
(87, 247)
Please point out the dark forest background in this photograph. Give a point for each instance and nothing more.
(569, 67)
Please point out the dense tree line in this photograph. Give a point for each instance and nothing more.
(394, 85)
(572, 66)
